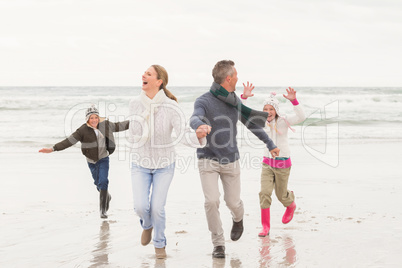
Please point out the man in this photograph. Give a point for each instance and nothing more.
(215, 116)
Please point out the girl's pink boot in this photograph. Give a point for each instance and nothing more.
(265, 220)
(287, 217)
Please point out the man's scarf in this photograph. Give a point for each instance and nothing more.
(248, 115)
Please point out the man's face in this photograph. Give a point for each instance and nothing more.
(233, 81)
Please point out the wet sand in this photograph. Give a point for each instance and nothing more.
(347, 216)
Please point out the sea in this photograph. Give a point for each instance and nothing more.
(35, 117)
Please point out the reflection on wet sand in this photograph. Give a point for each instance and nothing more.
(101, 253)
(290, 251)
(235, 263)
(220, 263)
(287, 244)
(265, 256)
(160, 263)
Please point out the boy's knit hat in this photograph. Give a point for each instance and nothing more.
(272, 100)
(90, 111)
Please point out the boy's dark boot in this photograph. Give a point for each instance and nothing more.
(109, 197)
(102, 203)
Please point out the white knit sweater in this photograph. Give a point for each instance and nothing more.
(154, 147)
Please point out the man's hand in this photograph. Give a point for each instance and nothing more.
(275, 152)
(247, 92)
(202, 131)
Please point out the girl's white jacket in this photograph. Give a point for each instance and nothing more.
(277, 130)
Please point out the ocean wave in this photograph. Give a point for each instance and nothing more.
(35, 116)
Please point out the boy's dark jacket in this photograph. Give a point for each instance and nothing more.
(89, 142)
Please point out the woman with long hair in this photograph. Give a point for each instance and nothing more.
(154, 114)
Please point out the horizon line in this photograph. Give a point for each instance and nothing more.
(130, 86)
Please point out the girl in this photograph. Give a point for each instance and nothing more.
(275, 171)
(97, 143)
(155, 114)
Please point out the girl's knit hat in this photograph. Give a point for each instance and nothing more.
(90, 111)
(272, 100)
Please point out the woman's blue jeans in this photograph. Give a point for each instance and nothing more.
(100, 173)
(150, 205)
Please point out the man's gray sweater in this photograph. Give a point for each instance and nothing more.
(221, 142)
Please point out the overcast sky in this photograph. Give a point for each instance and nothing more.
(273, 43)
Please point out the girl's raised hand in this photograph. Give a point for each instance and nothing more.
(291, 94)
(247, 92)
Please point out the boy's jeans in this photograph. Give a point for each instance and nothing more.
(100, 173)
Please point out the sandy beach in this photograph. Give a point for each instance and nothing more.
(344, 59)
(347, 216)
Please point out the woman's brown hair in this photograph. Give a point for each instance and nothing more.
(163, 75)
